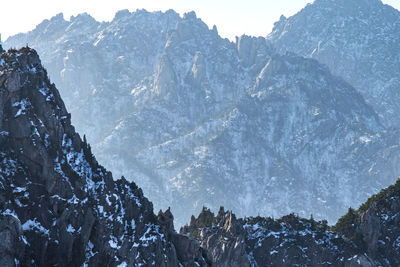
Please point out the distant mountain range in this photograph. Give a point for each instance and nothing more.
(252, 125)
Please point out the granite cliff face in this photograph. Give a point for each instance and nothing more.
(58, 205)
(166, 100)
(357, 39)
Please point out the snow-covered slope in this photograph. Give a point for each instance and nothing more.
(358, 40)
(198, 120)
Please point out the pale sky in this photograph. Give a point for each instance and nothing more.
(232, 17)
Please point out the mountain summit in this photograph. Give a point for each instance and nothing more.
(358, 40)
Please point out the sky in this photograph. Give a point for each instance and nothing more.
(232, 17)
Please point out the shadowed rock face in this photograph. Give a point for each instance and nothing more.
(58, 205)
(369, 236)
(375, 226)
(256, 241)
(12, 246)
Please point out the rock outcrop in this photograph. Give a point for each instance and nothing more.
(58, 206)
(375, 226)
(256, 241)
(369, 236)
(12, 246)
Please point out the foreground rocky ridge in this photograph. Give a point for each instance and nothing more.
(58, 205)
(190, 112)
(369, 236)
(257, 241)
(374, 227)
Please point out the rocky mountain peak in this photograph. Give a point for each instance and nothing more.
(58, 18)
(142, 15)
(83, 18)
(190, 27)
(355, 4)
(166, 219)
(31, 99)
(253, 51)
(347, 36)
(49, 28)
(190, 15)
(121, 14)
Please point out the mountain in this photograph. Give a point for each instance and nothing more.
(59, 207)
(365, 237)
(357, 40)
(198, 120)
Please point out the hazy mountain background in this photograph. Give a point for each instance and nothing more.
(358, 40)
(197, 120)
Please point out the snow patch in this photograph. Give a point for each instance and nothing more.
(33, 224)
(70, 229)
(22, 106)
(365, 139)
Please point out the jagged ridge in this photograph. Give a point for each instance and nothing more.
(369, 236)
